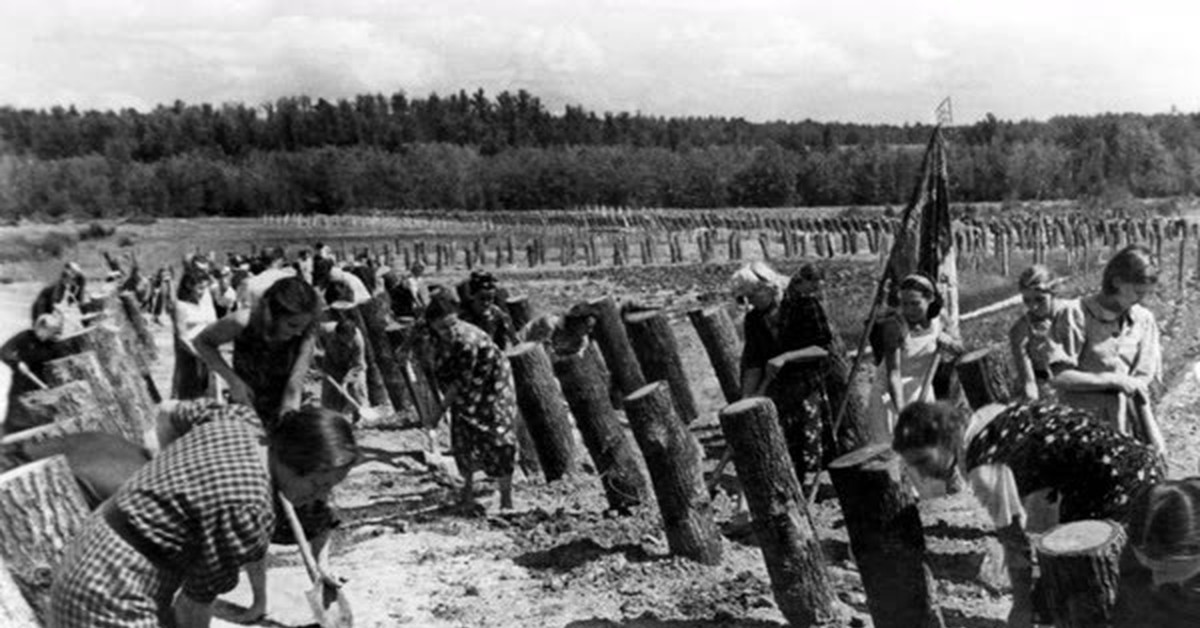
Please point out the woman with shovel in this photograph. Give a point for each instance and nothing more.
(345, 362)
(27, 354)
(190, 519)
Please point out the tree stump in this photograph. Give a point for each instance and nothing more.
(612, 452)
(984, 377)
(374, 317)
(613, 340)
(658, 354)
(133, 314)
(520, 309)
(15, 612)
(127, 383)
(886, 537)
(41, 510)
(673, 458)
(719, 337)
(377, 393)
(74, 400)
(543, 408)
(85, 367)
(1080, 570)
(780, 517)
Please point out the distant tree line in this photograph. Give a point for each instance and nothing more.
(473, 152)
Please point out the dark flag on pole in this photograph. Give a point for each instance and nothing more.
(925, 241)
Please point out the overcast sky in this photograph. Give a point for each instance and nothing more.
(847, 60)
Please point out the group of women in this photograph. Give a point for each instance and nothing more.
(1080, 441)
(174, 535)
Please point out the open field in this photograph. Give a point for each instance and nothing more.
(560, 559)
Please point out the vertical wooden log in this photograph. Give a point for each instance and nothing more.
(520, 309)
(985, 377)
(1180, 279)
(15, 612)
(673, 458)
(41, 510)
(133, 314)
(717, 334)
(658, 354)
(886, 538)
(1079, 564)
(75, 400)
(374, 316)
(613, 339)
(779, 515)
(377, 393)
(127, 384)
(543, 409)
(612, 452)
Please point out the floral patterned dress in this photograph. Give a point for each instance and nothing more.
(1093, 469)
(483, 413)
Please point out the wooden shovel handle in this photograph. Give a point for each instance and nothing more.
(345, 393)
(310, 561)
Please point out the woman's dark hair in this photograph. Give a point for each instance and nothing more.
(187, 283)
(313, 439)
(925, 424)
(322, 267)
(1164, 519)
(291, 296)
(1132, 264)
(925, 286)
(442, 302)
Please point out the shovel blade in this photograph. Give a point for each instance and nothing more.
(329, 607)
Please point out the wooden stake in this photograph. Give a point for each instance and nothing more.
(673, 458)
(610, 447)
(985, 378)
(543, 409)
(1079, 565)
(613, 340)
(717, 334)
(15, 612)
(780, 518)
(658, 354)
(41, 509)
(886, 538)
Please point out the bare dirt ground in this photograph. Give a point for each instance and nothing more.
(561, 560)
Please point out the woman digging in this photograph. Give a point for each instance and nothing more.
(477, 388)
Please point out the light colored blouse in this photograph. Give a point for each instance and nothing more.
(1097, 340)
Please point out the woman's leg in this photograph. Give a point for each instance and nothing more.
(1018, 558)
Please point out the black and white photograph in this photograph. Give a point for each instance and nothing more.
(599, 314)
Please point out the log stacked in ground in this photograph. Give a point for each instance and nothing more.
(613, 340)
(658, 354)
(1080, 572)
(673, 459)
(613, 454)
(719, 337)
(41, 510)
(543, 409)
(886, 537)
(780, 517)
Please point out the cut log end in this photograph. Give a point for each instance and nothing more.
(742, 406)
(639, 317)
(871, 454)
(521, 349)
(648, 389)
(1079, 537)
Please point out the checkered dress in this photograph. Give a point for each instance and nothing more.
(316, 517)
(204, 504)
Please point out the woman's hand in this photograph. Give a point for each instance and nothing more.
(949, 345)
(1129, 385)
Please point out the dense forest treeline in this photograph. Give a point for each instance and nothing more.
(475, 152)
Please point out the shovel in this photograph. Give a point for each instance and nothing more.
(365, 413)
(329, 606)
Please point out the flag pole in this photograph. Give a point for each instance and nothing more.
(873, 315)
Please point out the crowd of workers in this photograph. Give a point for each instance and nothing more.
(240, 439)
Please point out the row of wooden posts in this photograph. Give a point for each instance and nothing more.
(102, 382)
(1079, 238)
